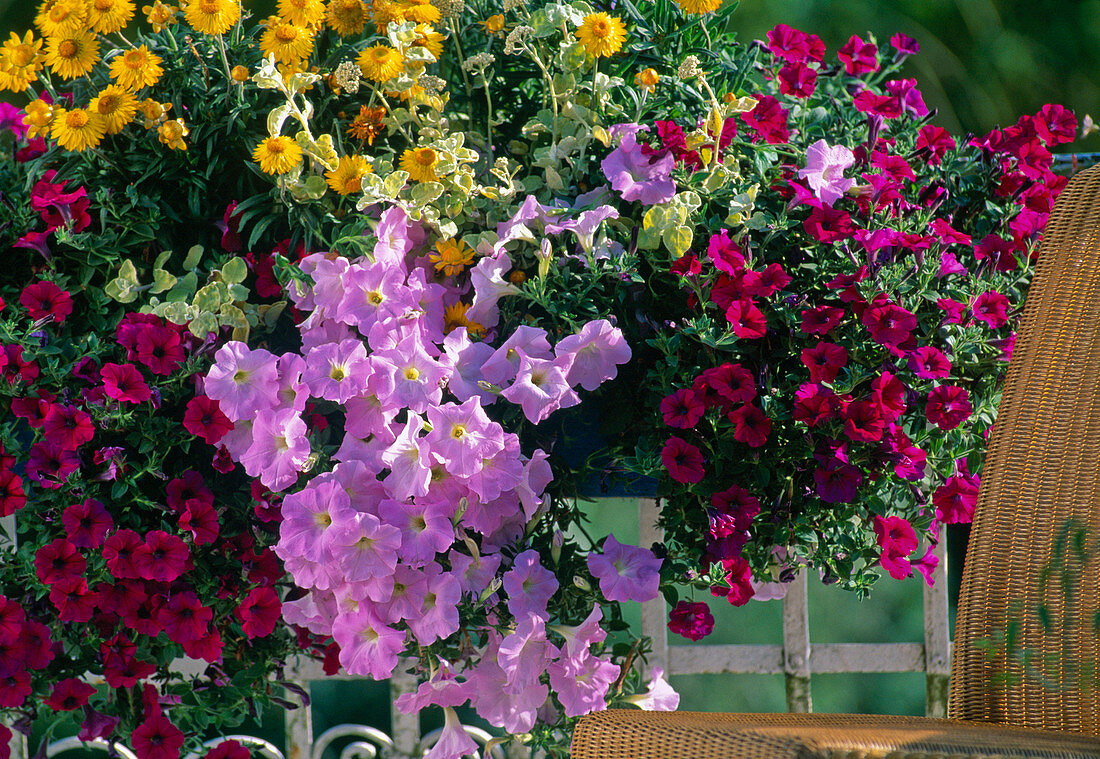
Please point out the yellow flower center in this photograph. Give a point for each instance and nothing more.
(108, 104)
(172, 130)
(424, 156)
(59, 13)
(412, 373)
(275, 146)
(286, 33)
(337, 373)
(241, 376)
(104, 5)
(133, 59)
(601, 28)
(208, 6)
(375, 298)
(458, 431)
(76, 119)
(380, 54)
(322, 519)
(67, 49)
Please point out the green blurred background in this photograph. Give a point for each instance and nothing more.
(982, 64)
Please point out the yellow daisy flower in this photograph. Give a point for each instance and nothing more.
(136, 68)
(601, 35)
(19, 60)
(380, 63)
(72, 56)
(239, 74)
(172, 132)
(212, 16)
(420, 163)
(116, 105)
(451, 257)
(346, 17)
(302, 12)
(160, 15)
(78, 129)
(289, 43)
(61, 18)
(347, 177)
(699, 6)
(420, 11)
(277, 155)
(107, 16)
(428, 37)
(39, 114)
(454, 316)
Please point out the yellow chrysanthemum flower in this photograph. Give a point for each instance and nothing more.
(494, 24)
(77, 129)
(380, 63)
(136, 68)
(116, 105)
(368, 123)
(212, 16)
(451, 257)
(172, 132)
(454, 316)
(347, 177)
(239, 74)
(384, 13)
(346, 17)
(277, 155)
(647, 79)
(61, 18)
(420, 163)
(302, 12)
(38, 118)
(289, 43)
(20, 58)
(160, 14)
(420, 11)
(601, 35)
(427, 36)
(72, 56)
(107, 16)
(155, 113)
(699, 6)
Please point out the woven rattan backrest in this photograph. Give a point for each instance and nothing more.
(1042, 469)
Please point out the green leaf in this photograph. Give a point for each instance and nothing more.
(162, 281)
(194, 255)
(202, 324)
(234, 270)
(425, 192)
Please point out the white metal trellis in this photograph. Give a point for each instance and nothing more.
(797, 658)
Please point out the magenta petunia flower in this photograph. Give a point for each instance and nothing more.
(858, 57)
(948, 406)
(184, 618)
(991, 308)
(956, 499)
(929, 362)
(69, 694)
(45, 299)
(682, 409)
(824, 171)
(822, 319)
(626, 572)
(797, 80)
(259, 612)
(58, 560)
(162, 557)
(889, 324)
(12, 495)
(201, 520)
(67, 426)
(692, 620)
(746, 320)
(683, 460)
(204, 418)
(863, 421)
(118, 550)
(157, 738)
(837, 481)
(751, 425)
(724, 253)
(86, 523)
(898, 539)
(124, 382)
(50, 464)
(160, 349)
(824, 360)
(639, 176)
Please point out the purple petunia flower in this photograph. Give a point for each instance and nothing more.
(637, 176)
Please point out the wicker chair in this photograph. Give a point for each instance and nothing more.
(1042, 470)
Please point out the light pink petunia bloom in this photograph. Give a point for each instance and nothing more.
(578, 638)
(362, 547)
(626, 572)
(242, 380)
(474, 573)
(407, 596)
(528, 585)
(372, 292)
(487, 278)
(394, 240)
(409, 461)
(467, 358)
(582, 686)
(307, 516)
(502, 472)
(366, 450)
(596, 351)
(367, 645)
(315, 611)
(366, 414)
(329, 276)
(292, 392)
(524, 652)
(824, 171)
(439, 615)
(453, 742)
(640, 176)
(537, 474)
(443, 689)
(418, 378)
(462, 437)
(318, 329)
(515, 712)
(502, 366)
(659, 697)
(426, 529)
(337, 371)
(540, 388)
(279, 448)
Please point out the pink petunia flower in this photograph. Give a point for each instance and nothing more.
(824, 171)
(683, 460)
(124, 382)
(948, 406)
(626, 572)
(242, 380)
(595, 353)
